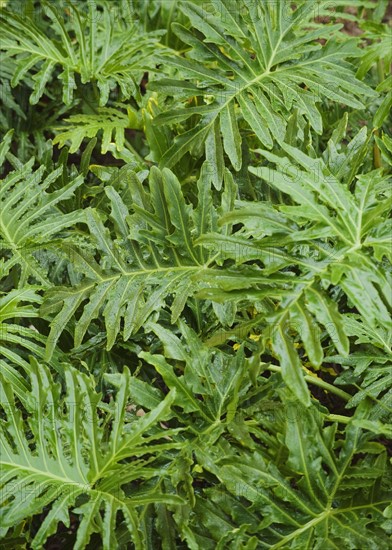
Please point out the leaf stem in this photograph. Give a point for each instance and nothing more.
(131, 148)
(376, 149)
(377, 153)
(318, 382)
(338, 418)
(380, 70)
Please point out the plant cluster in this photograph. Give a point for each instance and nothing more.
(195, 271)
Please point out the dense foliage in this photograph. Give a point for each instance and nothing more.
(195, 301)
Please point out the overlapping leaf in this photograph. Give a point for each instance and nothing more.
(256, 61)
(110, 121)
(321, 240)
(31, 223)
(81, 456)
(147, 259)
(108, 48)
(317, 496)
(252, 307)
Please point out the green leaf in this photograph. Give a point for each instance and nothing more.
(151, 258)
(258, 57)
(77, 455)
(111, 122)
(313, 497)
(32, 223)
(291, 366)
(109, 57)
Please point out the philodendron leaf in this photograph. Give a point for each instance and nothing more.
(257, 61)
(80, 463)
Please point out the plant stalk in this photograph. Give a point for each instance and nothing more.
(318, 382)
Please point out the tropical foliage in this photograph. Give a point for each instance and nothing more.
(195, 274)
